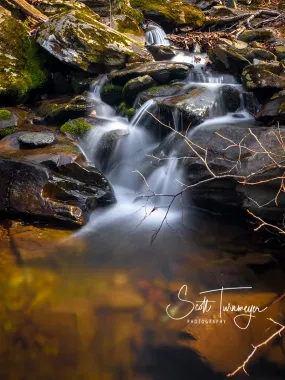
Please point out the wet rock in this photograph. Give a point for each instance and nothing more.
(53, 182)
(36, 139)
(65, 108)
(195, 106)
(280, 52)
(161, 72)
(20, 65)
(77, 127)
(161, 53)
(170, 14)
(98, 49)
(226, 194)
(226, 58)
(134, 86)
(264, 79)
(260, 35)
(160, 91)
(112, 94)
(230, 97)
(273, 110)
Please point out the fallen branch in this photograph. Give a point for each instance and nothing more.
(29, 10)
(255, 348)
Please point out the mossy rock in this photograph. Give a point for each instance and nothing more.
(281, 5)
(227, 58)
(54, 7)
(259, 54)
(122, 109)
(112, 94)
(280, 52)
(136, 85)
(64, 108)
(170, 13)
(77, 127)
(130, 113)
(8, 123)
(99, 49)
(160, 91)
(21, 68)
(260, 35)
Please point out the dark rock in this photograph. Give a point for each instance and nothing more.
(134, 86)
(36, 139)
(161, 53)
(226, 194)
(98, 49)
(273, 110)
(207, 4)
(64, 108)
(112, 94)
(230, 98)
(259, 54)
(194, 106)
(260, 35)
(226, 58)
(62, 83)
(280, 52)
(162, 72)
(160, 91)
(54, 182)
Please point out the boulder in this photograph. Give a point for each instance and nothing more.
(160, 91)
(36, 139)
(258, 54)
(161, 72)
(228, 193)
(230, 97)
(99, 49)
(161, 53)
(273, 110)
(264, 79)
(55, 7)
(54, 182)
(195, 106)
(170, 14)
(64, 108)
(134, 86)
(226, 58)
(112, 94)
(259, 35)
(21, 69)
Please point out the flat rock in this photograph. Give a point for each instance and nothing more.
(36, 139)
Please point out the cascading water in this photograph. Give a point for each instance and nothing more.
(127, 165)
(155, 35)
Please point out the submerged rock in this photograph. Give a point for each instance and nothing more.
(134, 86)
(98, 49)
(259, 35)
(64, 108)
(21, 70)
(273, 110)
(162, 72)
(36, 139)
(54, 182)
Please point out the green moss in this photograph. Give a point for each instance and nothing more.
(177, 11)
(5, 115)
(77, 128)
(7, 131)
(281, 5)
(134, 14)
(20, 62)
(130, 113)
(128, 25)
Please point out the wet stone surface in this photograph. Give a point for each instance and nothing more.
(36, 139)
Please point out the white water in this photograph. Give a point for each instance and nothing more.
(125, 166)
(155, 35)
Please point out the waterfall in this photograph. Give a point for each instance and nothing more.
(155, 35)
(102, 109)
(143, 113)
